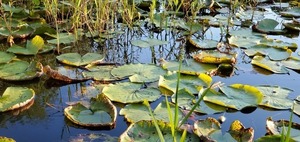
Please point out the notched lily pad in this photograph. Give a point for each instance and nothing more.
(6, 139)
(188, 66)
(206, 127)
(276, 128)
(273, 53)
(6, 57)
(292, 63)
(146, 131)
(244, 42)
(61, 38)
(240, 133)
(18, 70)
(273, 66)
(267, 26)
(214, 57)
(128, 92)
(101, 113)
(100, 73)
(15, 97)
(138, 72)
(293, 12)
(203, 44)
(76, 59)
(148, 42)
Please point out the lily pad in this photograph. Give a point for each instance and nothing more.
(138, 72)
(240, 133)
(5, 139)
(277, 43)
(267, 26)
(186, 100)
(6, 57)
(190, 82)
(292, 63)
(101, 113)
(275, 97)
(188, 66)
(62, 38)
(236, 96)
(293, 12)
(76, 59)
(269, 65)
(244, 42)
(143, 131)
(15, 97)
(160, 112)
(206, 127)
(273, 53)
(297, 106)
(128, 92)
(18, 70)
(214, 57)
(64, 74)
(292, 26)
(148, 42)
(203, 44)
(100, 73)
(276, 128)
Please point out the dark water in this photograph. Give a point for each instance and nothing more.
(45, 121)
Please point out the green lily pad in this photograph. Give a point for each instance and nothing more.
(273, 53)
(236, 96)
(293, 12)
(292, 26)
(190, 82)
(160, 112)
(148, 42)
(143, 131)
(128, 92)
(6, 57)
(244, 42)
(62, 38)
(36, 45)
(203, 44)
(269, 65)
(100, 73)
(15, 97)
(292, 63)
(189, 66)
(267, 26)
(101, 113)
(240, 133)
(214, 57)
(206, 127)
(275, 97)
(273, 138)
(76, 59)
(276, 128)
(277, 43)
(19, 70)
(297, 106)
(5, 139)
(186, 100)
(21, 32)
(138, 72)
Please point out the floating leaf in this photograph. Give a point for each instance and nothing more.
(269, 65)
(191, 83)
(236, 96)
(62, 38)
(275, 97)
(272, 53)
(32, 47)
(5, 139)
(244, 42)
(76, 59)
(293, 12)
(240, 133)
(100, 73)
(297, 106)
(203, 44)
(101, 113)
(267, 26)
(206, 127)
(186, 100)
(18, 70)
(148, 42)
(214, 57)
(146, 131)
(276, 128)
(273, 138)
(292, 26)
(15, 97)
(160, 113)
(128, 92)
(278, 43)
(189, 66)
(138, 72)
(65, 75)
(6, 57)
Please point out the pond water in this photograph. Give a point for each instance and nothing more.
(45, 120)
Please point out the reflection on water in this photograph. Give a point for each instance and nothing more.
(44, 120)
